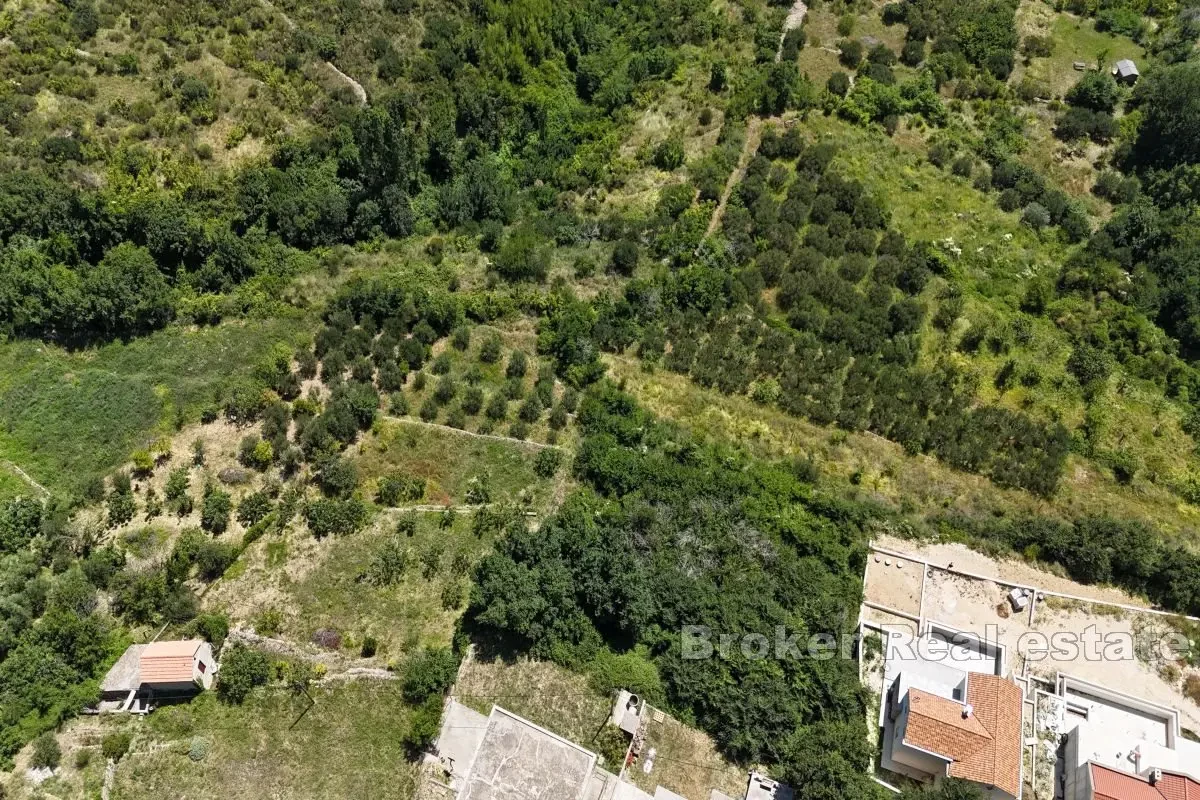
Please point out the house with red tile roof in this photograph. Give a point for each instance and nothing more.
(1105, 783)
(148, 673)
(972, 732)
(1120, 747)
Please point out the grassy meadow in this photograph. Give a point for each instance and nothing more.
(347, 744)
(66, 416)
(451, 462)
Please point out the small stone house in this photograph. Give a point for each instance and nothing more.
(147, 674)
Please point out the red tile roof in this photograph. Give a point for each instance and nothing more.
(984, 746)
(168, 662)
(938, 725)
(1112, 784)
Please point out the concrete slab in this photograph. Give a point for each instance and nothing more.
(600, 785)
(125, 675)
(518, 760)
(627, 791)
(462, 731)
(666, 794)
(1113, 725)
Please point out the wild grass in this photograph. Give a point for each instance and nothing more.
(68, 415)
(818, 58)
(686, 762)
(12, 485)
(1075, 39)
(868, 467)
(410, 614)
(452, 463)
(313, 585)
(932, 204)
(542, 692)
(993, 258)
(348, 744)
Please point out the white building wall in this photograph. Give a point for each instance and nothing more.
(1076, 776)
(204, 656)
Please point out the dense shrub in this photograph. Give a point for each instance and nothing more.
(242, 669)
(115, 745)
(46, 752)
(216, 510)
(399, 487)
(428, 673)
(335, 517)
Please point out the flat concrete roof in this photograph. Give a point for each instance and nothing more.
(760, 787)
(518, 760)
(126, 674)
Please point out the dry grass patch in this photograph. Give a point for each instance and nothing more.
(686, 762)
(347, 745)
(544, 693)
(871, 467)
(315, 585)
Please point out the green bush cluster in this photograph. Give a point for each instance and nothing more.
(593, 579)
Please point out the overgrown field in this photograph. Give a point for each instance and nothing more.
(70, 416)
(344, 742)
(366, 331)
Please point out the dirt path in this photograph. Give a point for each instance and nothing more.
(110, 775)
(795, 19)
(360, 93)
(338, 666)
(753, 133)
(23, 475)
(1012, 570)
(462, 509)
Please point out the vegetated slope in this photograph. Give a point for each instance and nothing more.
(189, 165)
(670, 533)
(69, 418)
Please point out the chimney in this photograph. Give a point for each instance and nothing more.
(968, 710)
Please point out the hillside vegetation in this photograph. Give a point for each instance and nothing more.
(374, 329)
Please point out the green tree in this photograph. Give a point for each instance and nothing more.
(625, 255)
(115, 745)
(254, 508)
(338, 478)
(1169, 99)
(20, 521)
(335, 517)
(429, 672)
(523, 256)
(1096, 90)
(850, 53)
(121, 508)
(547, 462)
(838, 84)
(46, 752)
(717, 76)
(424, 725)
(214, 514)
(489, 351)
(127, 293)
(1089, 364)
(668, 155)
(242, 669)
(518, 363)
